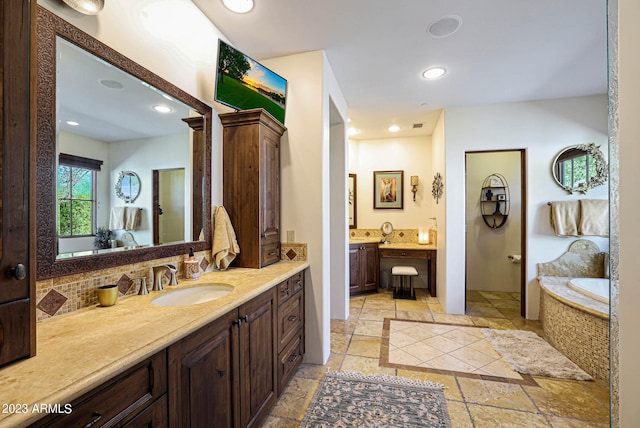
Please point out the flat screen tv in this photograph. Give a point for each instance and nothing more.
(243, 83)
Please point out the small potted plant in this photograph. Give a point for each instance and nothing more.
(103, 235)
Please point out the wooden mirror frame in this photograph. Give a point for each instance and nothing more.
(50, 26)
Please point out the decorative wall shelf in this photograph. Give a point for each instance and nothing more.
(494, 201)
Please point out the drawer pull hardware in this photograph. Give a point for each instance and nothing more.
(96, 417)
(237, 322)
(293, 358)
(286, 291)
(18, 272)
(404, 253)
(272, 253)
(246, 318)
(292, 318)
(267, 234)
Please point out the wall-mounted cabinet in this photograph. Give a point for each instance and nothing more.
(251, 184)
(494, 201)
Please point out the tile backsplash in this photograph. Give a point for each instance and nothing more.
(70, 293)
(399, 236)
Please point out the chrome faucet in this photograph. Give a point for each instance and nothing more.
(159, 273)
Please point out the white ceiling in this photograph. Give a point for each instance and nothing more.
(505, 51)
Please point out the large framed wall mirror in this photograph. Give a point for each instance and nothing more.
(125, 124)
(580, 168)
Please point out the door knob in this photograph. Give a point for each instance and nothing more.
(19, 272)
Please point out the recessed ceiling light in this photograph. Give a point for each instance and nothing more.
(238, 6)
(161, 108)
(445, 26)
(394, 128)
(72, 123)
(434, 72)
(353, 131)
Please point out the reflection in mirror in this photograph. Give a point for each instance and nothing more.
(580, 168)
(107, 126)
(128, 186)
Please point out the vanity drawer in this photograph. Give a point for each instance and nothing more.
(270, 254)
(119, 400)
(289, 360)
(405, 254)
(290, 319)
(296, 282)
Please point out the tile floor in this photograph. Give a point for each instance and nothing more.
(355, 346)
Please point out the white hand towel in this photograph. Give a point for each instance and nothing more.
(116, 220)
(132, 218)
(225, 246)
(564, 217)
(594, 217)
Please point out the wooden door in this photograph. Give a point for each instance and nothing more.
(17, 283)
(355, 265)
(258, 362)
(203, 372)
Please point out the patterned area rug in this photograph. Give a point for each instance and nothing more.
(353, 399)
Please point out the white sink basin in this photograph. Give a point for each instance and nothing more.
(193, 295)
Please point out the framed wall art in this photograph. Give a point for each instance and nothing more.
(388, 190)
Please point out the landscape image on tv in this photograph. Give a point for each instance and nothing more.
(243, 83)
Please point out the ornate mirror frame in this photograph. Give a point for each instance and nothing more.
(133, 194)
(50, 26)
(602, 171)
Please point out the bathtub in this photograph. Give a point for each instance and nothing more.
(596, 288)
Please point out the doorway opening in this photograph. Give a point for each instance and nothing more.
(168, 205)
(495, 253)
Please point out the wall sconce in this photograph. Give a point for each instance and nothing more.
(414, 185)
(87, 7)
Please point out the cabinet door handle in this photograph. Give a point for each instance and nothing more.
(285, 291)
(245, 318)
(237, 322)
(404, 253)
(292, 318)
(293, 357)
(96, 417)
(273, 253)
(266, 234)
(18, 272)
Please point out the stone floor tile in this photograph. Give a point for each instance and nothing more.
(295, 399)
(557, 422)
(453, 319)
(459, 414)
(343, 326)
(340, 342)
(376, 314)
(451, 389)
(276, 422)
(364, 346)
(368, 328)
(497, 394)
(366, 365)
(568, 399)
(493, 417)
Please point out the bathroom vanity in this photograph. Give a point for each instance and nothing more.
(138, 364)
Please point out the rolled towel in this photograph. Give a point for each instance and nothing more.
(564, 217)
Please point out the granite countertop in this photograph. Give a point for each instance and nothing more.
(79, 351)
(557, 287)
(392, 245)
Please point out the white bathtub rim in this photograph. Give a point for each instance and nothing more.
(596, 288)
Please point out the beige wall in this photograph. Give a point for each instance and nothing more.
(629, 268)
(413, 155)
(543, 128)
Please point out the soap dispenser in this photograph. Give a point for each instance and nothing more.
(191, 266)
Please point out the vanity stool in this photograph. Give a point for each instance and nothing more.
(401, 275)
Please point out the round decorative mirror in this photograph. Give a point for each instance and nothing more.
(386, 229)
(580, 168)
(128, 186)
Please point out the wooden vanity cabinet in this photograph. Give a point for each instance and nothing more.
(135, 398)
(251, 184)
(17, 282)
(225, 372)
(291, 321)
(363, 268)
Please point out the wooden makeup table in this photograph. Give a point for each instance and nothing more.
(413, 251)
